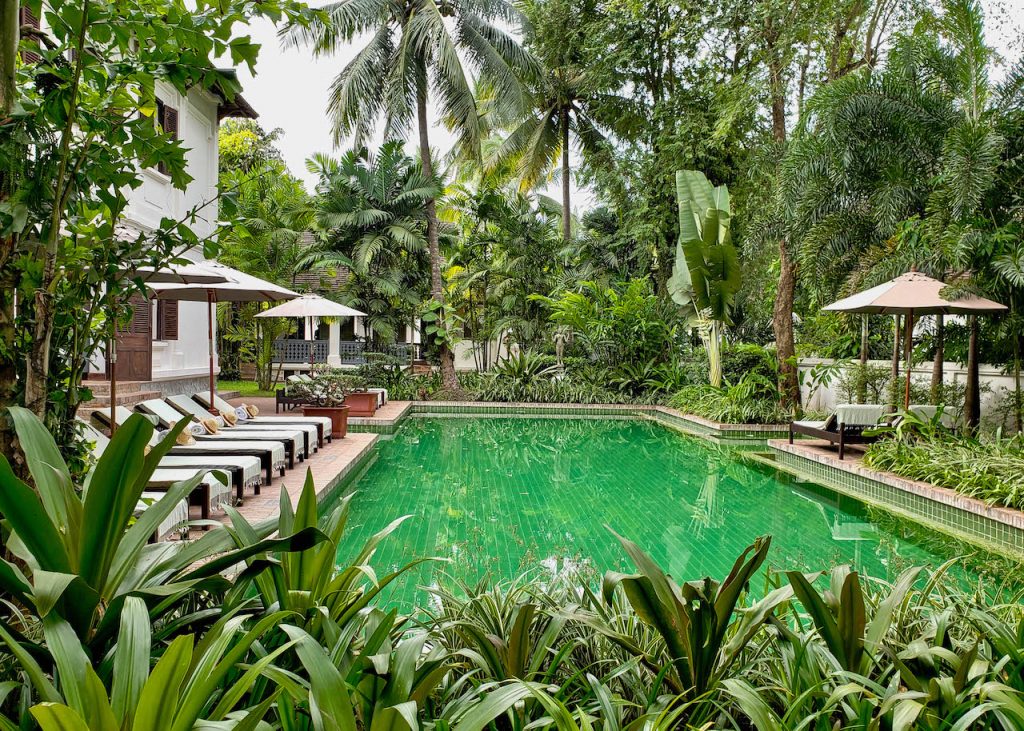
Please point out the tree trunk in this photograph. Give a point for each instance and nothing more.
(894, 383)
(1017, 396)
(972, 398)
(940, 355)
(9, 31)
(782, 324)
(447, 358)
(782, 313)
(8, 276)
(563, 122)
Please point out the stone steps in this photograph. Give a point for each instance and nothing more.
(123, 399)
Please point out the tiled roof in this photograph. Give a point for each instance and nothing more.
(319, 279)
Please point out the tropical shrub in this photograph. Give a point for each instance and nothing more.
(989, 469)
(706, 275)
(739, 359)
(864, 383)
(754, 399)
(624, 322)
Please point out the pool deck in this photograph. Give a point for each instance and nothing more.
(329, 466)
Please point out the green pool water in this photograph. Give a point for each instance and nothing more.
(502, 496)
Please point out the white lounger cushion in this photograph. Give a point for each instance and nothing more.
(220, 487)
(252, 472)
(325, 422)
(177, 518)
(927, 412)
(812, 424)
(278, 458)
(168, 413)
(859, 414)
(298, 436)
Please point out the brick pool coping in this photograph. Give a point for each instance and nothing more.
(390, 417)
(993, 527)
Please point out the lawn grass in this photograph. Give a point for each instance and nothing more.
(245, 388)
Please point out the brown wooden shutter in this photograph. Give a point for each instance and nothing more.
(141, 317)
(167, 116)
(27, 18)
(167, 320)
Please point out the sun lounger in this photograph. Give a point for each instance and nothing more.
(299, 438)
(927, 412)
(312, 427)
(212, 492)
(274, 454)
(382, 395)
(846, 425)
(246, 471)
(322, 423)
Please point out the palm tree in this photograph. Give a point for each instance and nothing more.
(372, 212)
(562, 102)
(416, 46)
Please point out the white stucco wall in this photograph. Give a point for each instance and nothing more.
(999, 385)
(157, 199)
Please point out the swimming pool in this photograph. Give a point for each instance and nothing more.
(505, 495)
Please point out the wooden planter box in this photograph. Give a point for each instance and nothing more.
(337, 414)
(361, 403)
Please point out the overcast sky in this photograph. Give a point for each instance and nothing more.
(290, 88)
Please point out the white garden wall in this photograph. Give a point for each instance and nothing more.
(996, 385)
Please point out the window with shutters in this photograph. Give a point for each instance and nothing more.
(27, 18)
(167, 118)
(139, 324)
(167, 320)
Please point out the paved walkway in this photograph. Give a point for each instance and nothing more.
(329, 466)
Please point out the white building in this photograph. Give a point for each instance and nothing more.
(165, 348)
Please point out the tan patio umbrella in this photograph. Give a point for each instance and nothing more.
(238, 287)
(185, 273)
(311, 306)
(912, 294)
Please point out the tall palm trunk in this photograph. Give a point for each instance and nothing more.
(563, 122)
(448, 377)
(894, 379)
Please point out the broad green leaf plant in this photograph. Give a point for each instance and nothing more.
(706, 275)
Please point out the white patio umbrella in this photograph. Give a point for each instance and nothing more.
(311, 306)
(184, 273)
(912, 294)
(238, 287)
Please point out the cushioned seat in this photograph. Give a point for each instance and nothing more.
(246, 469)
(230, 442)
(322, 424)
(846, 425)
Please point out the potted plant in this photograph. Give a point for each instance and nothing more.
(326, 397)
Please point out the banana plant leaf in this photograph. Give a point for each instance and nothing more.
(706, 275)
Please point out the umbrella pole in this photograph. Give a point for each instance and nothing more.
(112, 357)
(909, 350)
(209, 327)
(112, 365)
